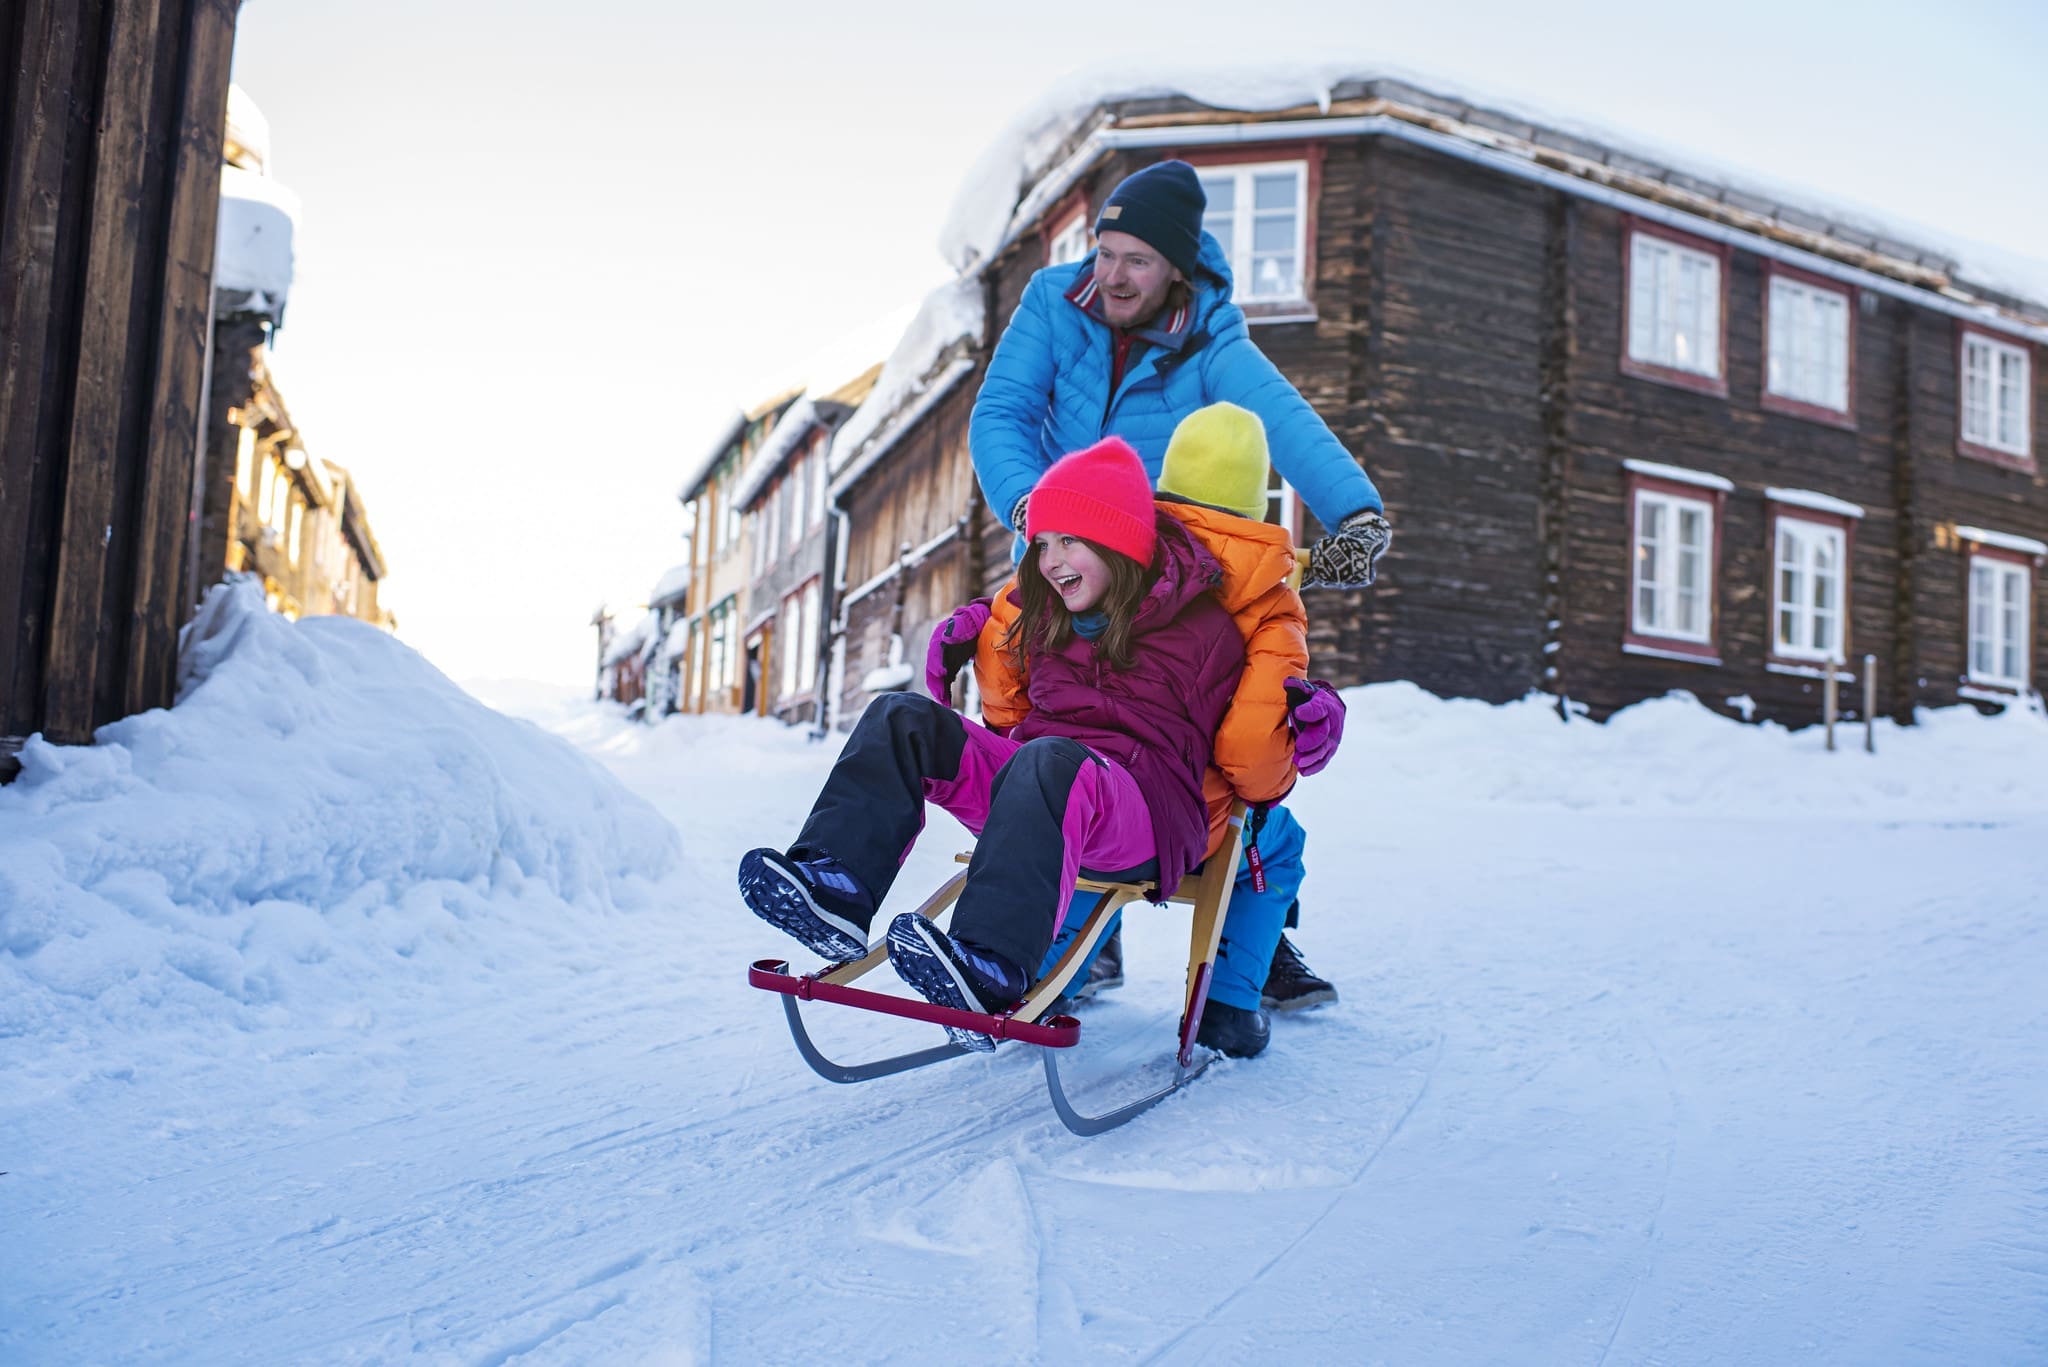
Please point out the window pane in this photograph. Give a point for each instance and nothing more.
(1222, 193)
(1273, 233)
(1274, 190)
(1275, 277)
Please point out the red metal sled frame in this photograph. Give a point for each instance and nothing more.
(1209, 893)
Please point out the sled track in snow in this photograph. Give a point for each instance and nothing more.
(1400, 1122)
(1653, 1234)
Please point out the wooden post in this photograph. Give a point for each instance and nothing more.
(1870, 704)
(1830, 701)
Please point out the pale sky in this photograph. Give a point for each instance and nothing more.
(546, 250)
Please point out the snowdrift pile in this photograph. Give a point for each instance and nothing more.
(320, 805)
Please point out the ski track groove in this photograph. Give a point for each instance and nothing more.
(1653, 1235)
(1329, 1207)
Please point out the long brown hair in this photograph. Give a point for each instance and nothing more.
(1045, 624)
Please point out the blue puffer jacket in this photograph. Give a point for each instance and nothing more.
(1047, 393)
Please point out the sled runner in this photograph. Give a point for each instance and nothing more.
(1207, 890)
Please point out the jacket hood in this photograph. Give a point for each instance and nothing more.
(1255, 557)
(1187, 570)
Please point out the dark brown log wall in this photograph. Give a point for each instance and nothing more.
(111, 128)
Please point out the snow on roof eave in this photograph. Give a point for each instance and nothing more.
(1576, 165)
(701, 471)
(797, 423)
(673, 584)
(899, 423)
(2025, 545)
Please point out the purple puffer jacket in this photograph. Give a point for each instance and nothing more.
(1159, 717)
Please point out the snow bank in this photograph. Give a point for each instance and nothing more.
(321, 808)
(1671, 752)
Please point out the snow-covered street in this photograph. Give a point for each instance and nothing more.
(1669, 1041)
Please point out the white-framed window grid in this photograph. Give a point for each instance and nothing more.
(792, 633)
(1674, 308)
(1995, 382)
(1258, 213)
(2001, 607)
(1808, 352)
(1672, 593)
(807, 641)
(1809, 590)
(1069, 242)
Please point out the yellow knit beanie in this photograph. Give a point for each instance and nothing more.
(1218, 456)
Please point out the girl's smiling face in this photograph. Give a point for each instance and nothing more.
(1074, 568)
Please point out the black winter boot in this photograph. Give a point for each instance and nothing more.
(1233, 1031)
(816, 900)
(1290, 985)
(956, 973)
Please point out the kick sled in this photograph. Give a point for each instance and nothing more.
(1208, 891)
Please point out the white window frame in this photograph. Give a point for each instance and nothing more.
(1807, 356)
(1069, 242)
(791, 633)
(1994, 418)
(807, 645)
(1243, 258)
(1801, 559)
(1662, 319)
(1658, 569)
(1999, 628)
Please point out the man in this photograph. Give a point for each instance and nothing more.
(1128, 341)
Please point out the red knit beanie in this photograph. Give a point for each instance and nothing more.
(1100, 493)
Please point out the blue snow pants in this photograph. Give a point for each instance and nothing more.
(1251, 930)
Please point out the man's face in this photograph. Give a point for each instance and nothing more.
(1131, 279)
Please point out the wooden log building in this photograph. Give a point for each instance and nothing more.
(111, 118)
(1637, 431)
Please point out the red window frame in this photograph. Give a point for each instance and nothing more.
(1778, 403)
(1709, 650)
(1249, 153)
(2024, 463)
(1847, 526)
(1059, 218)
(2032, 565)
(1715, 385)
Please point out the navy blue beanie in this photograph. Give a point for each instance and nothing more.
(1160, 205)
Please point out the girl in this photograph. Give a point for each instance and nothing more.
(1128, 665)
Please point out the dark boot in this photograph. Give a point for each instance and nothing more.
(1106, 974)
(816, 900)
(1233, 1031)
(955, 973)
(1290, 985)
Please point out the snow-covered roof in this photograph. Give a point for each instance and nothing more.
(701, 468)
(927, 355)
(628, 643)
(248, 133)
(790, 429)
(674, 583)
(1046, 150)
(253, 242)
(676, 641)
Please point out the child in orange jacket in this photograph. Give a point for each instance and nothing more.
(1214, 483)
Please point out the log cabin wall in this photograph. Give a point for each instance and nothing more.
(1948, 489)
(921, 492)
(111, 131)
(1467, 347)
(1452, 429)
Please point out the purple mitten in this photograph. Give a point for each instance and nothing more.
(1317, 713)
(953, 646)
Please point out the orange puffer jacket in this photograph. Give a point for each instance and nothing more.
(1254, 748)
